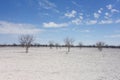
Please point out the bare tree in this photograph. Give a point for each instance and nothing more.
(100, 45)
(68, 42)
(51, 44)
(26, 41)
(80, 45)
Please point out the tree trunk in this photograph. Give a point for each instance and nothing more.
(68, 49)
(26, 49)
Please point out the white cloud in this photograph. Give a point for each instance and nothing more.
(107, 15)
(117, 21)
(100, 16)
(71, 14)
(115, 10)
(78, 21)
(46, 4)
(105, 22)
(109, 6)
(54, 25)
(96, 15)
(100, 10)
(14, 28)
(81, 17)
(91, 22)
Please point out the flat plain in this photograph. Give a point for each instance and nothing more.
(43, 63)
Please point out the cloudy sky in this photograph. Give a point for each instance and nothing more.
(83, 20)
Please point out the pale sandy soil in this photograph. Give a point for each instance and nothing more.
(52, 64)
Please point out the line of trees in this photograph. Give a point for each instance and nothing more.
(26, 41)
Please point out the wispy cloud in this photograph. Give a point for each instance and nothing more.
(71, 14)
(77, 21)
(115, 10)
(81, 30)
(15, 28)
(107, 15)
(54, 25)
(101, 16)
(117, 21)
(91, 22)
(86, 31)
(110, 7)
(96, 15)
(100, 10)
(46, 4)
(76, 4)
(113, 36)
(105, 22)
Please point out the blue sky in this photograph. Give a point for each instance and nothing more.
(84, 21)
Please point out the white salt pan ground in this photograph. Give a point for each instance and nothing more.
(52, 64)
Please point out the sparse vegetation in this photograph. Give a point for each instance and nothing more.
(100, 45)
(26, 41)
(68, 42)
(80, 45)
(51, 44)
